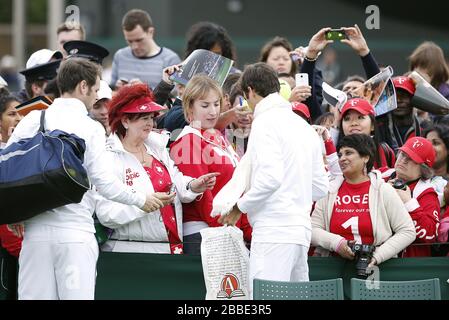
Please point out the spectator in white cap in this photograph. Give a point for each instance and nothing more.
(41, 67)
(99, 111)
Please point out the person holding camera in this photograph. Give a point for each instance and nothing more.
(413, 169)
(142, 162)
(360, 208)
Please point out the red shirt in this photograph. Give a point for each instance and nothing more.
(351, 215)
(195, 157)
(9, 241)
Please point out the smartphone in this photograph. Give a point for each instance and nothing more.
(335, 34)
(302, 79)
(172, 189)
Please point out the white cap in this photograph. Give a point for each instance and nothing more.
(42, 56)
(105, 92)
(8, 62)
(3, 83)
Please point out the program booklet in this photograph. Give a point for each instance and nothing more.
(373, 88)
(206, 62)
(387, 101)
(38, 103)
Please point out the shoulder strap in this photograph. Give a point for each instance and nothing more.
(42, 125)
(387, 152)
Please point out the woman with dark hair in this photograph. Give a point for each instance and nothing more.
(9, 117)
(438, 135)
(428, 59)
(360, 207)
(142, 162)
(357, 116)
(210, 36)
(276, 53)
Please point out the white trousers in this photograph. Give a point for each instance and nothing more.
(278, 262)
(57, 263)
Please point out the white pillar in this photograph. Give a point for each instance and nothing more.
(18, 32)
(54, 19)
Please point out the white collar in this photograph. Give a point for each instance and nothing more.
(71, 103)
(155, 143)
(274, 100)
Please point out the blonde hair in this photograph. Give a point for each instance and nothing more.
(197, 88)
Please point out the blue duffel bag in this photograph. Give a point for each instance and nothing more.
(41, 173)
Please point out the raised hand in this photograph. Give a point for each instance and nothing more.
(204, 182)
(356, 40)
(300, 93)
(167, 72)
(317, 43)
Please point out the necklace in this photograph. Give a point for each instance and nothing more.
(141, 152)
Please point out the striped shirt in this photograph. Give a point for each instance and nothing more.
(148, 69)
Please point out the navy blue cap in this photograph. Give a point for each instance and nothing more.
(46, 71)
(86, 50)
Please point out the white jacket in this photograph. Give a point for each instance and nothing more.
(287, 169)
(393, 229)
(70, 115)
(129, 222)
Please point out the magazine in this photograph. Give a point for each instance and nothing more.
(373, 88)
(387, 101)
(427, 98)
(206, 62)
(38, 103)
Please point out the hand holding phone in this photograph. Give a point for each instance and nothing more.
(335, 34)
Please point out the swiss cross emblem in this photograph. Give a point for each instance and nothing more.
(354, 102)
(401, 80)
(177, 250)
(143, 107)
(417, 144)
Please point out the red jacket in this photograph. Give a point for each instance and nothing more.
(426, 220)
(202, 157)
(9, 241)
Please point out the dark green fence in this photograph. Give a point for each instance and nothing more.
(160, 277)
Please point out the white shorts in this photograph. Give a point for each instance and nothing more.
(57, 263)
(278, 262)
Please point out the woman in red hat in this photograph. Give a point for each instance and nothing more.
(143, 163)
(358, 116)
(200, 149)
(414, 168)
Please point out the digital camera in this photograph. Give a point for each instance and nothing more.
(400, 184)
(363, 254)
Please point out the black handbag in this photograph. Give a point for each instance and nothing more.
(41, 173)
